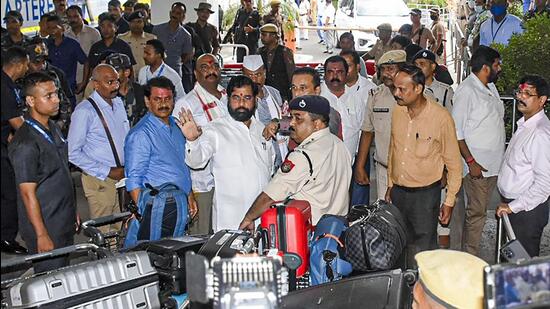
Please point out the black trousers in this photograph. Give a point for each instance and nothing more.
(420, 209)
(169, 220)
(252, 50)
(9, 200)
(59, 241)
(528, 226)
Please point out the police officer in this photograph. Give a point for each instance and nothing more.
(38, 56)
(440, 92)
(318, 170)
(382, 45)
(377, 122)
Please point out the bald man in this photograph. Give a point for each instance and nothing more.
(98, 150)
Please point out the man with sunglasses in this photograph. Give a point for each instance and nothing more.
(241, 158)
(478, 113)
(524, 177)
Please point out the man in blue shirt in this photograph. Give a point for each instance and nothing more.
(501, 26)
(64, 52)
(155, 147)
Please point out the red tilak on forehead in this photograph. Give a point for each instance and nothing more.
(523, 86)
(162, 92)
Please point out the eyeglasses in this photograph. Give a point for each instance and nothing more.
(520, 93)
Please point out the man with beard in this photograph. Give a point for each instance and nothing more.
(245, 29)
(269, 105)
(178, 44)
(96, 144)
(153, 55)
(318, 170)
(155, 155)
(422, 143)
(524, 178)
(206, 102)
(479, 116)
(38, 152)
(278, 60)
(115, 9)
(241, 158)
(499, 28)
(377, 123)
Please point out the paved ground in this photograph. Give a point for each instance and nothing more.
(311, 51)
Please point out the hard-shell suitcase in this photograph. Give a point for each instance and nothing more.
(227, 244)
(288, 228)
(385, 289)
(122, 281)
(168, 257)
(507, 245)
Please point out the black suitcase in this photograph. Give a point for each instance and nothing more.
(227, 244)
(385, 289)
(168, 257)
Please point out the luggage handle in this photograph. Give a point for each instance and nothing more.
(508, 227)
(50, 254)
(91, 227)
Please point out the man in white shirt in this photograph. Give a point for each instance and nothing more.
(524, 178)
(500, 27)
(241, 158)
(269, 103)
(478, 113)
(206, 102)
(85, 35)
(153, 54)
(320, 10)
(304, 10)
(328, 21)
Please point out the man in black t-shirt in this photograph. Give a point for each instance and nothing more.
(39, 154)
(15, 63)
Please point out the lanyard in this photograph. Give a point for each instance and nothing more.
(159, 73)
(496, 32)
(41, 131)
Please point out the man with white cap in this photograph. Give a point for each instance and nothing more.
(206, 102)
(269, 102)
(448, 279)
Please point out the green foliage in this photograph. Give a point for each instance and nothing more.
(440, 3)
(229, 16)
(525, 54)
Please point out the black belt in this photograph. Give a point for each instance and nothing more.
(415, 189)
(383, 165)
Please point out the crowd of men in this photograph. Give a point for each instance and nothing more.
(146, 105)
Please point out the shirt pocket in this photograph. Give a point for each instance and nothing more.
(424, 147)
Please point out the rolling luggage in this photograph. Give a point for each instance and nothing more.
(288, 228)
(168, 257)
(227, 244)
(122, 281)
(386, 289)
(377, 237)
(508, 247)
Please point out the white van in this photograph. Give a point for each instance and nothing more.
(370, 14)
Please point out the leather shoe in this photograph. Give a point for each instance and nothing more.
(12, 247)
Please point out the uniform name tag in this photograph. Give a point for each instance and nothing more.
(381, 110)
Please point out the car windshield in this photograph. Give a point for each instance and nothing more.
(382, 8)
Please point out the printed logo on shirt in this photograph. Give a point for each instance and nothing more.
(381, 110)
(287, 166)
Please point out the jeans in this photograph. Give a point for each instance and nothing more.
(360, 194)
(320, 33)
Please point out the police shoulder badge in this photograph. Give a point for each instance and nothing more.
(287, 166)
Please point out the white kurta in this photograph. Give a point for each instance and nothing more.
(242, 164)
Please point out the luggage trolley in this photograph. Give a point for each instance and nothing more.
(112, 240)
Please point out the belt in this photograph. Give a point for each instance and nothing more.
(415, 189)
(383, 165)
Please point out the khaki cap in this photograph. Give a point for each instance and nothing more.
(274, 2)
(452, 278)
(384, 26)
(271, 28)
(393, 56)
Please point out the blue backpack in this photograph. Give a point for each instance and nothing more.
(325, 262)
(158, 197)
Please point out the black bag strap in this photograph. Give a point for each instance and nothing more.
(445, 97)
(109, 136)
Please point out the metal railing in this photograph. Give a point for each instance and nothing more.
(460, 54)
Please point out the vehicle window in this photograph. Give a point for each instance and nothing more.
(390, 8)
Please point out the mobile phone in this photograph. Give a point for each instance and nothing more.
(284, 126)
(523, 285)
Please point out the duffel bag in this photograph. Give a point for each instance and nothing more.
(377, 237)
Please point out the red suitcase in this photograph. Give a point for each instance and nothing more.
(295, 218)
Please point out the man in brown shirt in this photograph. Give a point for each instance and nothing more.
(420, 35)
(423, 142)
(438, 31)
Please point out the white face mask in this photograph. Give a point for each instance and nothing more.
(478, 8)
(471, 4)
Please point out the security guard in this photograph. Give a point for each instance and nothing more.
(318, 170)
(440, 92)
(382, 45)
(377, 122)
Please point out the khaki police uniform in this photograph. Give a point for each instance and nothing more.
(441, 93)
(379, 49)
(378, 120)
(318, 171)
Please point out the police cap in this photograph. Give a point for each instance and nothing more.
(136, 15)
(393, 57)
(424, 54)
(311, 103)
(270, 28)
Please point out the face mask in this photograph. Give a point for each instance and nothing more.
(478, 8)
(433, 17)
(471, 4)
(498, 9)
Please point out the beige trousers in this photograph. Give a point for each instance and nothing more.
(102, 198)
(478, 193)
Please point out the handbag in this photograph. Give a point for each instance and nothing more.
(124, 199)
(376, 238)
